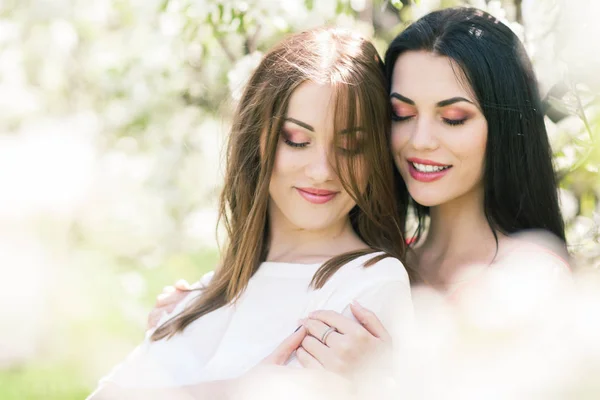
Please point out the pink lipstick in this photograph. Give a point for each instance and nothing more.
(316, 196)
(426, 170)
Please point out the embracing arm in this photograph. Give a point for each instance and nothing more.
(204, 390)
(222, 389)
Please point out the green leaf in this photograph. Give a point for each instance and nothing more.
(397, 4)
(342, 8)
(587, 203)
(242, 26)
(163, 6)
(221, 12)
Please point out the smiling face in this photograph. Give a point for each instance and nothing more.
(439, 133)
(305, 191)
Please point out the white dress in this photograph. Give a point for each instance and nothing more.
(229, 341)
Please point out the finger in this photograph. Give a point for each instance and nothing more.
(320, 352)
(168, 289)
(285, 349)
(307, 360)
(169, 299)
(182, 284)
(315, 327)
(369, 320)
(343, 324)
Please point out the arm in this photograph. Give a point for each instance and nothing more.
(205, 390)
(223, 389)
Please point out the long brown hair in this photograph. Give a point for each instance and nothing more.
(351, 65)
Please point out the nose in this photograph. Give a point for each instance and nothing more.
(423, 136)
(319, 167)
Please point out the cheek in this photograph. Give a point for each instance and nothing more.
(471, 147)
(399, 139)
(286, 161)
(289, 169)
(479, 142)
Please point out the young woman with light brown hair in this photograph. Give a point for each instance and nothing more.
(312, 217)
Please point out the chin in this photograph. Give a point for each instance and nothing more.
(426, 200)
(427, 203)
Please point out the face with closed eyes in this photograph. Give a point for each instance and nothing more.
(305, 190)
(439, 133)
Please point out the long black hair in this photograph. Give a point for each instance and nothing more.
(520, 186)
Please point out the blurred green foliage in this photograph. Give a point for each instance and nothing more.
(129, 101)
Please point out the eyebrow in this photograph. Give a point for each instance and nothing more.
(310, 128)
(442, 103)
(300, 123)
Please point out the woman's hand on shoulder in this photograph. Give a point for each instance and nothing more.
(284, 351)
(167, 301)
(341, 344)
(270, 377)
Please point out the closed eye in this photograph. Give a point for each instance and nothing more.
(294, 144)
(398, 118)
(454, 122)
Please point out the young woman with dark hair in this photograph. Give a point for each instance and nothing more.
(312, 222)
(469, 138)
(469, 141)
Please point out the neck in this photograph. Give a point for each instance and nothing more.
(458, 235)
(289, 243)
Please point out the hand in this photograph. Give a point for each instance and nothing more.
(269, 378)
(285, 349)
(349, 346)
(167, 301)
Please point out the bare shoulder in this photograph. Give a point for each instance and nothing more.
(538, 250)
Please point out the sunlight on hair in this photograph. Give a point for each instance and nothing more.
(329, 49)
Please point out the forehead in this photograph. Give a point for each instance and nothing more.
(311, 101)
(325, 106)
(427, 77)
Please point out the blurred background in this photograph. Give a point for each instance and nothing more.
(112, 119)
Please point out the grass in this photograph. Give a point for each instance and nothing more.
(81, 346)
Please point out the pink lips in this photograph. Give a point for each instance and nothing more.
(316, 196)
(426, 176)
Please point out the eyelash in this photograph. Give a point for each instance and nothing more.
(294, 144)
(398, 118)
(342, 151)
(451, 122)
(454, 122)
